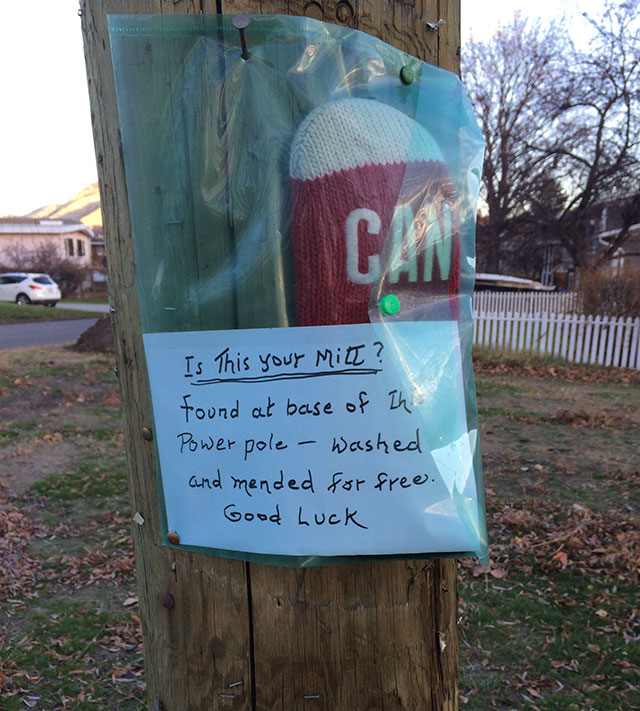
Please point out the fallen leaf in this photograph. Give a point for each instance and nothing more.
(561, 557)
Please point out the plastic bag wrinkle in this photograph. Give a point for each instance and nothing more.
(224, 201)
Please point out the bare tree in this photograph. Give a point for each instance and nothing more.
(595, 129)
(562, 127)
(508, 80)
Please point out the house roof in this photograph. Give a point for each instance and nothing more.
(505, 281)
(31, 226)
(612, 213)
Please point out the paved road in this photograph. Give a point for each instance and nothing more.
(42, 333)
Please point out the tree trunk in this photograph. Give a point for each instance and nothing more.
(221, 633)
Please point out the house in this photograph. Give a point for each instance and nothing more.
(616, 216)
(98, 261)
(85, 207)
(503, 282)
(21, 237)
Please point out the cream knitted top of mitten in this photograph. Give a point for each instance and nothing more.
(350, 133)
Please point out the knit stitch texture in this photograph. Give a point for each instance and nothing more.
(365, 159)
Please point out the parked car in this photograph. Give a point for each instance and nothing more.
(29, 288)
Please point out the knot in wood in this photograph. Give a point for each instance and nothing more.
(313, 10)
(168, 601)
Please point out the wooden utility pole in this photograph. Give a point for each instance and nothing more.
(222, 633)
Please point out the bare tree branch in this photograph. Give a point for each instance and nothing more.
(562, 131)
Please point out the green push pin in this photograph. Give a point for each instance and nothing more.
(389, 305)
(407, 75)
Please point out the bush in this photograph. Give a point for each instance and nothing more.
(611, 295)
(69, 276)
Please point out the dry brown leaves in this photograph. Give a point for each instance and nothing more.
(88, 669)
(21, 574)
(570, 371)
(18, 570)
(586, 418)
(556, 537)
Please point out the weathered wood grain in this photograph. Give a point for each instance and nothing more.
(368, 636)
(200, 646)
(247, 636)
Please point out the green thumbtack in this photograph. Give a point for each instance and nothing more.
(389, 304)
(407, 75)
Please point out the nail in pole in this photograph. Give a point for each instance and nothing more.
(241, 22)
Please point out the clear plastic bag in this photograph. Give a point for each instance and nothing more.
(327, 184)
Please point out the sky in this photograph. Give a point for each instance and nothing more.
(46, 143)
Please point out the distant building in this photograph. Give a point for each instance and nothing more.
(98, 261)
(22, 236)
(504, 282)
(83, 207)
(613, 218)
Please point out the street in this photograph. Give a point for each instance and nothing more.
(42, 333)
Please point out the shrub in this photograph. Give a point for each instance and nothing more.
(610, 294)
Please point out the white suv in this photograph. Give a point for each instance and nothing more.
(26, 288)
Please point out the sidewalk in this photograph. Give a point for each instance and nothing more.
(98, 308)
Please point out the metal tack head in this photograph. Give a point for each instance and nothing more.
(407, 75)
(241, 22)
(389, 304)
(147, 434)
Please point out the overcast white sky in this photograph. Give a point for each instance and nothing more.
(46, 145)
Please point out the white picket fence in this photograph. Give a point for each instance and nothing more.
(576, 338)
(566, 302)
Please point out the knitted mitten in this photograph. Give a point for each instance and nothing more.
(372, 204)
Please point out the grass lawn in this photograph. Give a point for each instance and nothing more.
(69, 633)
(13, 313)
(553, 623)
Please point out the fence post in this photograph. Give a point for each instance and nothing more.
(611, 334)
(603, 333)
(217, 631)
(544, 333)
(558, 331)
(634, 350)
(580, 341)
(618, 344)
